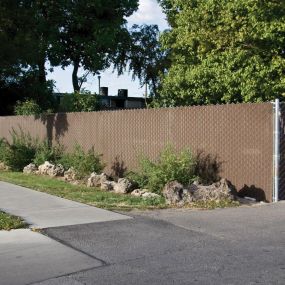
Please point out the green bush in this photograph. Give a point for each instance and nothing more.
(20, 152)
(170, 165)
(79, 102)
(83, 162)
(46, 152)
(28, 107)
(3, 149)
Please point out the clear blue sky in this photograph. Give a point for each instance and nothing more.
(149, 13)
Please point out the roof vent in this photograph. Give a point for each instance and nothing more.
(103, 91)
(123, 93)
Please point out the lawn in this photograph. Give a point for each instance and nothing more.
(8, 222)
(79, 193)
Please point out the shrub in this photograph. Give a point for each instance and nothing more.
(208, 168)
(83, 163)
(79, 102)
(20, 152)
(170, 165)
(3, 149)
(28, 107)
(46, 152)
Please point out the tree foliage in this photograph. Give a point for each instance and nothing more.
(90, 32)
(82, 33)
(224, 51)
(79, 102)
(28, 107)
(142, 55)
(25, 34)
(21, 85)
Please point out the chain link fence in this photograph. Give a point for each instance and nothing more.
(239, 137)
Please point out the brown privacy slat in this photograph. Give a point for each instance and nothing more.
(240, 135)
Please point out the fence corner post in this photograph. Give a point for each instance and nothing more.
(276, 155)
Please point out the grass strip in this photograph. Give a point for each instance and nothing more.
(79, 193)
(8, 222)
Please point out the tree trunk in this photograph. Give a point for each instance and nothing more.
(154, 87)
(42, 71)
(75, 81)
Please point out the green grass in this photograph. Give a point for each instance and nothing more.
(83, 194)
(8, 222)
(211, 205)
(96, 197)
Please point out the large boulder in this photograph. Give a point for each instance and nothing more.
(107, 185)
(176, 194)
(70, 175)
(31, 168)
(44, 168)
(56, 170)
(215, 192)
(173, 192)
(123, 186)
(96, 180)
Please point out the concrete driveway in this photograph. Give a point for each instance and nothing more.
(243, 245)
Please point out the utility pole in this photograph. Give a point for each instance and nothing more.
(99, 84)
(145, 94)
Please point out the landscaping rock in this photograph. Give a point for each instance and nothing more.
(173, 192)
(107, 185)
(123, 186)
(3, 166)
(149, 195)
(31, 168)
(95, 180)
(176, 194)
(44, 168)
(70, 175)
(56, 171)
(138, 192)
(215, 192)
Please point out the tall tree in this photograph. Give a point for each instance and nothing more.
(27, 30)
(21, 74)
(224, 51)
(142, 55)
(89, 34)
(82, 33)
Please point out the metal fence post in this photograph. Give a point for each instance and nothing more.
(276, 156)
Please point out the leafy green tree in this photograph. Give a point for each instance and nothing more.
(27, 30)
(90, 32)
(142, 55)
(28, 107)
(22, 85)
(224, 51)
(82, 33)
(79, 102)
(25, 35)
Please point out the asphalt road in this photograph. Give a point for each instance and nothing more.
(244, 245)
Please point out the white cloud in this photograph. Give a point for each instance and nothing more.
(149, 12)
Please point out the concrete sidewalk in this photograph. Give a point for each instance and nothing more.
(27, 256)
(42, 210)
